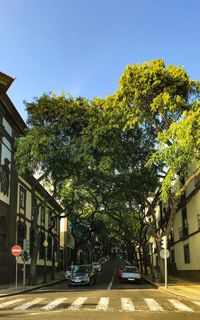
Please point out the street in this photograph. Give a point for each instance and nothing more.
(108, 297)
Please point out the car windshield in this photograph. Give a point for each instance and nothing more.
(81, 269)
(130, 270)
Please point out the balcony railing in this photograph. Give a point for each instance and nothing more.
(183, 232)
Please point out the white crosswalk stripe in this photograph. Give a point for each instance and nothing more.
(53, 304)
(197, 303)
(153, 304)
(127, 304)
(179, 305)
(77, 303)
(8, 303)
(29, 304)
(103, 304)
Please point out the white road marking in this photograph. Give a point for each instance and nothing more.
(127, 304)
(111, 282)
(29, 304)
(179, 305)
(53, 304)
(153, 304)
(103, 304)
(76, 305)
(8, 303)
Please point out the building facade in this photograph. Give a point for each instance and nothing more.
(19, 197)
(183, 241)
(184, 244)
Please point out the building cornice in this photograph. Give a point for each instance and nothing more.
(5, 82)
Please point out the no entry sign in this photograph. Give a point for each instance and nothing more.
(16, 250)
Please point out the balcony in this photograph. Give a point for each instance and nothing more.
(183, 232)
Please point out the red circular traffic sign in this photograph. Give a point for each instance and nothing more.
(16, 250)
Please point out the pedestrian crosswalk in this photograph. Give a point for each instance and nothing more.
(123, 304)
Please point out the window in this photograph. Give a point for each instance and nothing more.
(49, 219)
(32, 240)
(42, 216)
(21, 233)
(172, 255)
(49, 248)
(186, 253)
(56, 224)
(42, 248)
(3, 233)
(22, 198)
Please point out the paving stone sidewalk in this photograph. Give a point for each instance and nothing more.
(178, 286)
(10, 289)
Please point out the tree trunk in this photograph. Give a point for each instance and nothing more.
(141, 262)
(74, 254)
(36, 244)
(53, 269)
(145, 259)
(33, 266)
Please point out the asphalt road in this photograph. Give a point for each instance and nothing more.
(107, 298)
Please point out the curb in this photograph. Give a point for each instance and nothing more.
(185, 295)
(154, 284)
(31, 289)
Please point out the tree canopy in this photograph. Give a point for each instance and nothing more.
(118, 150)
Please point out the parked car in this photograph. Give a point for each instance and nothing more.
(69, 271)
(101, 261)
(96, 266)
(82, 275)
(119, 271)
(130, 274)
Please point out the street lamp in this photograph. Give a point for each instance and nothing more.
(45, 245)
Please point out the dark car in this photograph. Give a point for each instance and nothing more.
(131, 274)
(69, 271)
(82, 275)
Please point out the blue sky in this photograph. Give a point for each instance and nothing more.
(83, 46)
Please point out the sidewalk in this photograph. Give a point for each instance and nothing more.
(178, 286)
(10, 289)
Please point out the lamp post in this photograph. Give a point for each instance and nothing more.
(45, 245)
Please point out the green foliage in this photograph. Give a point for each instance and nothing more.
(107, 154)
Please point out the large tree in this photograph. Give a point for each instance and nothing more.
(106, 146)
(164, 101)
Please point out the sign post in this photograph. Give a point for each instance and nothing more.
(16, 251)
(16, 272)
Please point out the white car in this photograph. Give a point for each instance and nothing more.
(96, 266)
(130, 274)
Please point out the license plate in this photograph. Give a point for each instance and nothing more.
(131, 279)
